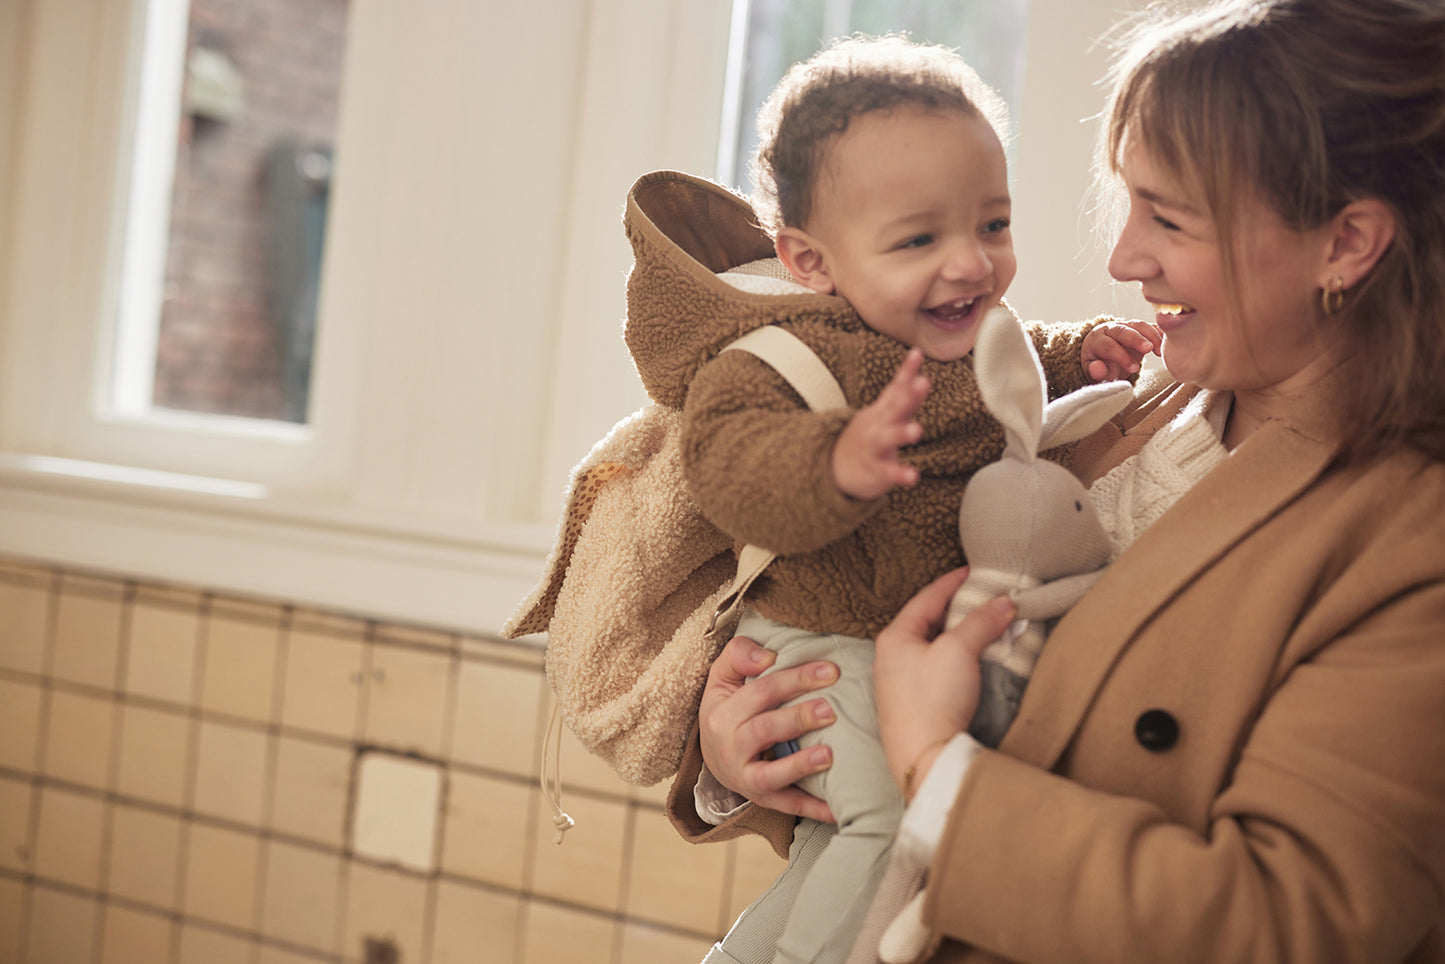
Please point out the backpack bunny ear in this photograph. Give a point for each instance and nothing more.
(1010, 379)
(1080, 413)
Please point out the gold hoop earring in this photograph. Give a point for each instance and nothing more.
(1332, 297)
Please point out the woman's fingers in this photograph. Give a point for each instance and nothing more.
(739, 660)
(922, 616)
(742, 717)
(738, 705)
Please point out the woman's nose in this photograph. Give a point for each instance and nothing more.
(1128, 261)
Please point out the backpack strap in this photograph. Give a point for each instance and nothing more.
(797, 363)
(801, 367)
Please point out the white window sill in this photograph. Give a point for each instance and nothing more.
(242, 538)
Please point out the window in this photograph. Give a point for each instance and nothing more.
(235, 120)
(467, 347)
(769, 36)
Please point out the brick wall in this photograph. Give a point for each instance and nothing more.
(218, 348)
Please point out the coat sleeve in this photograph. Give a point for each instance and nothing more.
(1326, 844)
(775, 827)
(757, 461)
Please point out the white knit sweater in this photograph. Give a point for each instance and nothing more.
(1137, 491)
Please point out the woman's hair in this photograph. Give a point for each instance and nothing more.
(816, 99)
(1308, 105)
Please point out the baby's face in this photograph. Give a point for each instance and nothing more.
(911, 217)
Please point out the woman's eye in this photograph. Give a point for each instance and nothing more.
(1165, 223)
(997, 225)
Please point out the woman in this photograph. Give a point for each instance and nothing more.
(1233, 749)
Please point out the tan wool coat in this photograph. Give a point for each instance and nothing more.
(1285, 622)
(756, 460)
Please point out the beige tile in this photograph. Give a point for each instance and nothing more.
(385, 904)
(19, 725)
(755, 867)
(270, 954)
(271, 614)
(87, 638)
(323, 683)
(642, 944)
(24, 621)
(486, 831)
(240, 667)
(79, 738)
(95, 585)
(231, 780)
(498, 718)
(155, 753)
(17, 850)
(655, 794)
(334, 624)
(62, 928)
(516, 652)
(176, 597)
(394, 817)
(313, 783)
(469, 919)
(220, 876)
(27, 573)
(12, 914)
(145, 851)
(161, 655)
(582, 770)
(587, 868)
(561, 935)
(673, 881)
(68, 838)
(406, 700)
(135, 937)
(300, 901)
(417, 635)
(201, 945)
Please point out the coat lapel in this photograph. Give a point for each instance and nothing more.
(1262, 475)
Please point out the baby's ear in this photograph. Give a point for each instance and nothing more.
(801, 256)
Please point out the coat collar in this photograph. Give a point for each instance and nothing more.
(1269, 470)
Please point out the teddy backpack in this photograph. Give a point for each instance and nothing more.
(641, 592)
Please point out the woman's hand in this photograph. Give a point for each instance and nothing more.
(926, 680)
(738, 722)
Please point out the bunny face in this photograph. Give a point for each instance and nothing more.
(1034, 519)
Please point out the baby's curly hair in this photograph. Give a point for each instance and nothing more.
(816, 99)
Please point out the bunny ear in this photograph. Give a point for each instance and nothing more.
(1010, 380)
(1080, 413)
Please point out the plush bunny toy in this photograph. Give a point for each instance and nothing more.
(1028, 526)
(1029, 532)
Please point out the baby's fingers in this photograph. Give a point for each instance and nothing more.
(906, 390)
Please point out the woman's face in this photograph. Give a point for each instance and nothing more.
(1262, 337)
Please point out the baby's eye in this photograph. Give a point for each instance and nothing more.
(918, 241)
(996, 225)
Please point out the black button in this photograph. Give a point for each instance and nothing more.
(1156, 730)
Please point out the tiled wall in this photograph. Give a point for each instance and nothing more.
(176, 779)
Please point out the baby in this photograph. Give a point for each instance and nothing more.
(881, 178)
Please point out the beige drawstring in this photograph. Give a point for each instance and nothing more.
(552, 762)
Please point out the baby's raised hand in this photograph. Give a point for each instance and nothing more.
(1114, 349)
(865, 457)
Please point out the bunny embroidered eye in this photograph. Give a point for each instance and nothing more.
(1078, 506)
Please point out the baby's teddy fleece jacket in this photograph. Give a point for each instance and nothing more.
(756, 459)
